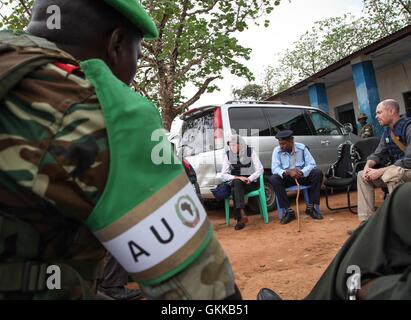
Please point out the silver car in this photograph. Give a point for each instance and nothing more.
(203, 132)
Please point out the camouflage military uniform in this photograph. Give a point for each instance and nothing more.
(54, 165)
(366, 131)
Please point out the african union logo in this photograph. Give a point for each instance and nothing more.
(187, 211)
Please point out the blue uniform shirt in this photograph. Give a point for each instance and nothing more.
(301, 159)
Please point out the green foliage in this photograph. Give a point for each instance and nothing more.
(333, 39)
(251, 91)
(196, 43)
(15, 14)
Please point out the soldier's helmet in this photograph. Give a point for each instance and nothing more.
(362, 116)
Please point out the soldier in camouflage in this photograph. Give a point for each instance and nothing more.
(55, 156)
(366, 130)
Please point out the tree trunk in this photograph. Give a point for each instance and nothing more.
(166, 95)
(168, 116)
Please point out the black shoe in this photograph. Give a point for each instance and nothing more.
(267, 294)
(120, 293)
(288, 217)
(240, 225)
(313, 213)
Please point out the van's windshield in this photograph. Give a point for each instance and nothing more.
(198, 134)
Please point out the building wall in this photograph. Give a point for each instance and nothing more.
(341, 94)
(393, 81)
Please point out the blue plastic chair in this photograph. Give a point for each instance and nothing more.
(304, 189)
(260, 193)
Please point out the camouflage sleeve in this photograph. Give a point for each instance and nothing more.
(54, 160)
(56, 142)
(209, 277)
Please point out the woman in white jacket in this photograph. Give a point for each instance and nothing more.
(242, 168)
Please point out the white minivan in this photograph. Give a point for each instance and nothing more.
(203, 132)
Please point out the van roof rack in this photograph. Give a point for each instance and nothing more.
(257, 102)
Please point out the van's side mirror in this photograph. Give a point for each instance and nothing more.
(347, 128)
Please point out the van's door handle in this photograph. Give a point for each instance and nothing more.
(326, 142)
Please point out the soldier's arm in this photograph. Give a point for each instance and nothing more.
(71, 161)
(208, 277)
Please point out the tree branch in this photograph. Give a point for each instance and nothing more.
(175, 51)
(149, 60)
(163, 24)
(150, 6)
(148, 46)
(26, 9)
(206, 10)
(239, 18)
(2, 17)
(139, 89)
(197, 95)
(191, 63)
(407, 6)
(143, 66)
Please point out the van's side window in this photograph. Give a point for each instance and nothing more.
(324, 126)
(249, 122)
(197, 135)
(288, 119)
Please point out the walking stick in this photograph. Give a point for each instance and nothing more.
(298, 205)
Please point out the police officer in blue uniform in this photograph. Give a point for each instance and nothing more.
(291, 162)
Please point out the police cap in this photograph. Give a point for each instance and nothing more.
(135, 13)
(285, 134)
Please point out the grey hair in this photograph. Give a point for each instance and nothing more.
(235, 138)
(391, 103)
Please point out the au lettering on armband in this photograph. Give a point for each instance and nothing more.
(162, 243)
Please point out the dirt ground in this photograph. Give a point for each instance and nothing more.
(278, 256)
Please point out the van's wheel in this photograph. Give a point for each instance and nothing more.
(269, 194)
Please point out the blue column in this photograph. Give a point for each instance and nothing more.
(318, 96)
(367, 92)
